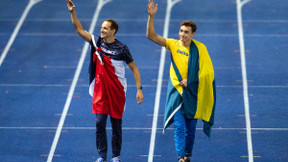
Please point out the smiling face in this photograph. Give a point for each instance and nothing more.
(106, 31)
(185, 34)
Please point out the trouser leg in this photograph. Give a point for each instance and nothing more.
(116, 136)
(101, 137)
(190, 136)
(179, 133)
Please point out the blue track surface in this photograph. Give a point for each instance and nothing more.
(37, 73)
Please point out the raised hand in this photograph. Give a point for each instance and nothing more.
(70, 5)
(152, 8)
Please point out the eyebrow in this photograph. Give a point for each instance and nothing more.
(186, 31)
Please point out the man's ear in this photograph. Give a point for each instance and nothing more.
(193, 34)
(114, 31)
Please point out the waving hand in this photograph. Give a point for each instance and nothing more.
(152, 8)
(70, 5)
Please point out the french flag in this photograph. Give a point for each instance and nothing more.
(107, 83)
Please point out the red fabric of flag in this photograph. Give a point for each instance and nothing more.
(109, 95)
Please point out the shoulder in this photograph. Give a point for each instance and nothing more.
(171, 40)
(124, 51)
(121, 46)
(199, 44)
(96, 37)
(95, 40)
(119, 43)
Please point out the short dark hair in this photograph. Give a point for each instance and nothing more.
(189, 23)
(114, 25)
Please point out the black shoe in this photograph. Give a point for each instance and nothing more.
(187, 160)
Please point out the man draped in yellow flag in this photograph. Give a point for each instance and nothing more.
(191, 93)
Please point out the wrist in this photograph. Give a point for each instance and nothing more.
(139, 87)
(72, 10)
(151, 16)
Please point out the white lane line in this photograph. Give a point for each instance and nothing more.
(61, 85)
(32, 34)
(17, 28)
(170, 4)
(138, 128)
(133, 85)
(244, 77)
(101, 3)
(145, 20)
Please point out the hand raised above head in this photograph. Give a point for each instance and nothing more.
(70, 5)
(152, 8)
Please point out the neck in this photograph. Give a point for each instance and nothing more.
(186, 43)
(109, 40)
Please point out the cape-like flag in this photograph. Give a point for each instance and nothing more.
(108, 91)
(199, 98)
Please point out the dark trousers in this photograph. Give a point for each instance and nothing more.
(101, 137)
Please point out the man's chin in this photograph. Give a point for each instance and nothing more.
(183, 40)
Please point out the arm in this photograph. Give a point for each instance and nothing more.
(76, 23)
(135, 71)
(150, 33)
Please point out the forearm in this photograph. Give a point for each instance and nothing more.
(139, 95)
(150, 27)
(136, 74)
(151, 34)
(75, 21)
(137, 77)
(78, 27)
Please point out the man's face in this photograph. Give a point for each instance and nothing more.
(185, 33)
(106, 31)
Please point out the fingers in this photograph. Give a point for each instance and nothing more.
(69, 2)
(70, 5)
(139, 102)
(139, 98)
(183, 84)
(151, 3)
